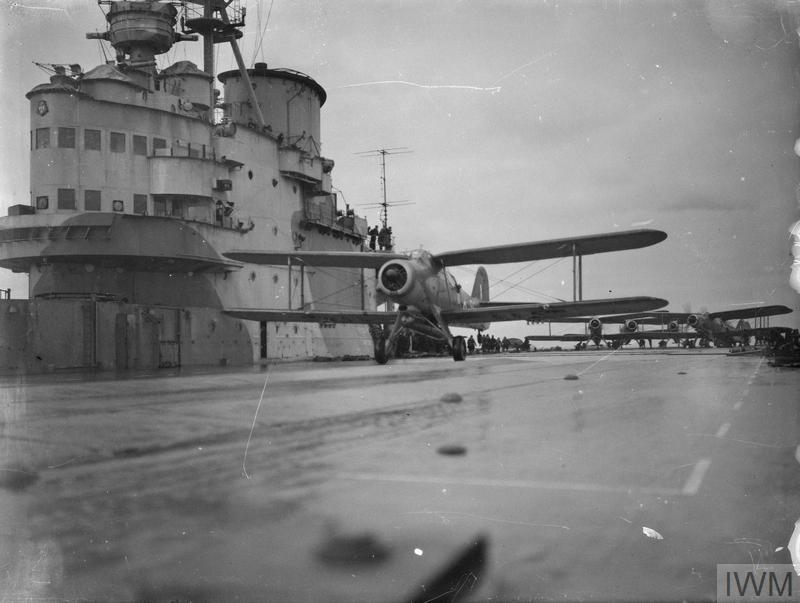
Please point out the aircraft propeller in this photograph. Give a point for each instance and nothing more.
(394, 277)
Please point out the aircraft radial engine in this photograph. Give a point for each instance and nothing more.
(693, 320)
(629, 326)
(595, 325)
(396, 278)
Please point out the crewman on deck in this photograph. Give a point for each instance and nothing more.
(385, 238)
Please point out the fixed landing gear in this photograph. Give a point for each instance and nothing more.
(459, 348)
(380, 347)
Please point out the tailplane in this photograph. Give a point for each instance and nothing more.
(481, 287)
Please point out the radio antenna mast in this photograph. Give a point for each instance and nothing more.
(382, 153)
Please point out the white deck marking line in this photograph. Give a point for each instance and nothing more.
(692, 484)
(746, 391)
(510, 483)
(253, 426)
(723, 429)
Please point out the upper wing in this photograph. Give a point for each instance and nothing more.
(340, 259)
(553, 311)
(321, 316)
(556, 248)
(751, 312)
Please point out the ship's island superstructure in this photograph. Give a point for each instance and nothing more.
(142, 179)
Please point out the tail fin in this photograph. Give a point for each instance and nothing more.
(481, 287)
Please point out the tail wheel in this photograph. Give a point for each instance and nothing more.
(459, 348)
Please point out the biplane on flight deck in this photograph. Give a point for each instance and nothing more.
(429, 301)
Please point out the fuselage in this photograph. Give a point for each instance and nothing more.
(717, 330)
(419, 285)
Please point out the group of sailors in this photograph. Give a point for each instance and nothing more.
(382, 236)
(783, 347)
(489, 344)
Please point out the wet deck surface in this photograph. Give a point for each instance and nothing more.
(362, 482)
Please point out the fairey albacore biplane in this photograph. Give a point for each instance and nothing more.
(429, 301)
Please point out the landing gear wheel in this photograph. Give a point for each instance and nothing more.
(459, 348)
(381, 357)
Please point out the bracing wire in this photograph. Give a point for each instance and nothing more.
(515, 285)
(259, 46)
(505, 279)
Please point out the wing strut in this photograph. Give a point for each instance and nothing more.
(302, 284)
(577, 274)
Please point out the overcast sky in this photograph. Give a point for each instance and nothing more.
(526, 120)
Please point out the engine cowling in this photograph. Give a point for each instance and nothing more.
(630, 326)
(673, 326)
(595, 325)
(396, 278)
(693, 320)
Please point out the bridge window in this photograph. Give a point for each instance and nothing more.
(140, 204)
(139, 145)
(158, 143)
(66, 138)
(91, 201)
(66, 198)
(91, 140)
(42, 138)
(117, 142)
(159, 207)
(42, 202)
(118, 205)
(177, 208)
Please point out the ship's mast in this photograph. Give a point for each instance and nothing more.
(216, 29)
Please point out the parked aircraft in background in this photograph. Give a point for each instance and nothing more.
(714, 327)
(595, 333)
(707, 327)
(429, 300)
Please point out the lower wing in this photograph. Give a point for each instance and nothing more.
(319, 316)
(564, 337)
(541, 312)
